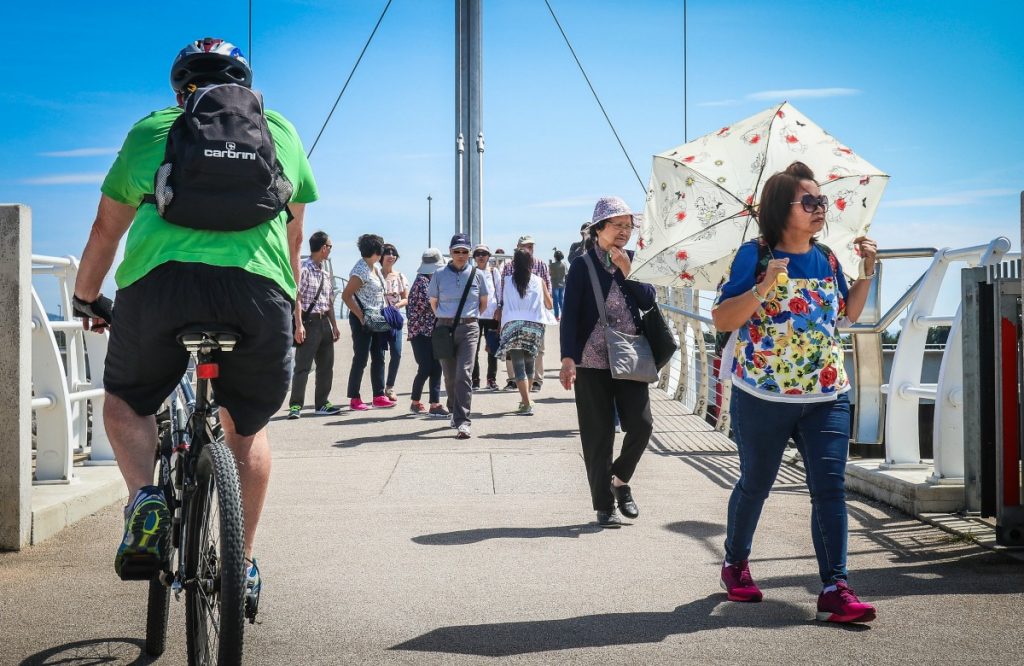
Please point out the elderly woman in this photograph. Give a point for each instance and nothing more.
(458, 294)
(364, 296)
(585, 360)
(396, 293)
(783, 299)
(420, 327)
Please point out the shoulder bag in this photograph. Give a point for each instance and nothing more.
(312, 304)
(373, 318)
(443, 337)
(629, 356)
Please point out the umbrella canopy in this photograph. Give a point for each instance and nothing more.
(701, 196)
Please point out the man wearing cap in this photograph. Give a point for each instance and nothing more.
(540, 269)
(446, 289)
(488, 324)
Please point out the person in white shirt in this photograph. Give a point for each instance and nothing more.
(487, 323)
(526, 301)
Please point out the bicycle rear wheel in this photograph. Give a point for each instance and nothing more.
(214, 564)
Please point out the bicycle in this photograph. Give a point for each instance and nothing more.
(197, 473)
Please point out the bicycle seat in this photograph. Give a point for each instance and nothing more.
(211, 337)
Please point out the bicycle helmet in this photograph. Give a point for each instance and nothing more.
(210, 60)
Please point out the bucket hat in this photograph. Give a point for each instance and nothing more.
(526, 240)
(431, 261)
(612, 207)
(481, 248)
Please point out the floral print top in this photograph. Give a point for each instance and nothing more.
(789, 350)
(419, 314)
(595, 352)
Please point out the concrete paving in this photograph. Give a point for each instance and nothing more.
(385, 540)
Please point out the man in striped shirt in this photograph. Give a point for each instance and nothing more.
(316, 330)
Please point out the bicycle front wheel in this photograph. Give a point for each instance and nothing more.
(214, 564)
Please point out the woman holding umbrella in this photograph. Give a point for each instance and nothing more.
(783, 300)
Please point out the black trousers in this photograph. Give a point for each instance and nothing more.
(598, 396)
(365, 346)
(488, 327)
(319, 348)
(427, 368)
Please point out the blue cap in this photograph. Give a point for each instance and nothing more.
(460, 241)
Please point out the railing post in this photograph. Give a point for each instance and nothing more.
(100, 453)
(15, 368)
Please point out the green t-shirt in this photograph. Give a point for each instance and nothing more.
(153, 241)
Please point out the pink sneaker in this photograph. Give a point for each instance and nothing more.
(357, 405)
(842, 605)
(738, 584)
(383, 401)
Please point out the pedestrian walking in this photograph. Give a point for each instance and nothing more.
(458, 294)
(585, 360)
(526, 303)
(557, 269)
(783, 299)
(488, 324)
(364, 296)
(420, 325)
(540, 269)
(315, 337)
(396, 295)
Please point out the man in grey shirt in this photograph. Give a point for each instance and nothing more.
(445, 291)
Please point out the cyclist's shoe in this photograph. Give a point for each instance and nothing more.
(253, 586)
(144, 548)
(294, 412)
(328, 409)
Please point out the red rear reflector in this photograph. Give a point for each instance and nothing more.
(207, 371)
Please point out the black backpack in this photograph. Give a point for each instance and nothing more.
(220, 170)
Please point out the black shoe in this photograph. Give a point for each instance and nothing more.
(535, 388)
(627, 506)
(609, 518)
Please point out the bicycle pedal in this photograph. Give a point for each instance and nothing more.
(252, 606)
(141, 567)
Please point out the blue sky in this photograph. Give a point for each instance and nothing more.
(929, 91)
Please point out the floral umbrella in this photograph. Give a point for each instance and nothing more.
(701, 196)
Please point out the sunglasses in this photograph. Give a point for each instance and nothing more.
(460, 251)
(391, 253)
(328, 246)
(810, 203)
(480, 254)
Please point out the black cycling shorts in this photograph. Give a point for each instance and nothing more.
(145, 361)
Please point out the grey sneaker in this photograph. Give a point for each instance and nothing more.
(462, 432)
(525, 409)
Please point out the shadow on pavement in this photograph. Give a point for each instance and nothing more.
(464, 537)
(535, 434)
(381, 439)
(117, 651)
(515, 638)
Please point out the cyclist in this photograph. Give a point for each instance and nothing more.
(172, 276)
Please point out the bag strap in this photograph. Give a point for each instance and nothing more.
(597, 289)
(465, 293)
(318, 290)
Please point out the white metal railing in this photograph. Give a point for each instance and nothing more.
(64, 386)
(905, 388)
(691, 376)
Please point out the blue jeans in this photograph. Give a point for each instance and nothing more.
(557, 294)
(822, 434)
(393, 343)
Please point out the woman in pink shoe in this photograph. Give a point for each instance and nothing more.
(364, 296)
(783, 301)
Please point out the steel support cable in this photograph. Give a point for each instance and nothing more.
(350, 74)
(596, 98)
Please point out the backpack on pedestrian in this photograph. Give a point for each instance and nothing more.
(220, 170)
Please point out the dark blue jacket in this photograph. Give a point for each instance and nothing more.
(579, 311)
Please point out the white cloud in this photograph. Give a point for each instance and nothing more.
(962, 198)
(67, 179)
(778, 95)
(80, 152)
